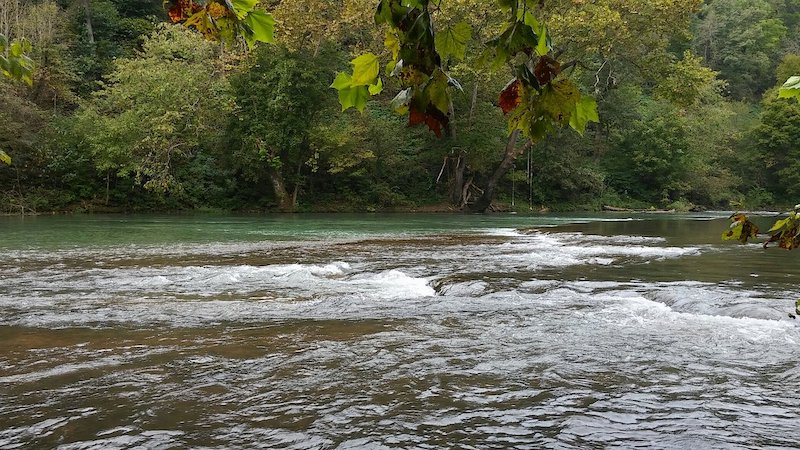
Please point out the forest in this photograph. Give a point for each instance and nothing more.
(125, 111)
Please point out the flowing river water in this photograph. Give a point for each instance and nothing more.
(395, 331)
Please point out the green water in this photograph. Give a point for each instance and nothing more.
(394, 331)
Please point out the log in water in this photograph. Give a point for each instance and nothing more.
(310, 332)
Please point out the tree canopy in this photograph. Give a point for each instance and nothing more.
(667, 117)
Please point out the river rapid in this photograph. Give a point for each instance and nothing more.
(395, 331)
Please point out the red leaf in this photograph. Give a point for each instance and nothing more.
(510, 98)
(546, 70)
(434, 121)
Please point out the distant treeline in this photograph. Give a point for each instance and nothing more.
(129, 113)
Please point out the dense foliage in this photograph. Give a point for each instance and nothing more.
(127, 112)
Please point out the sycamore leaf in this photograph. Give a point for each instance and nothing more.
(392, 43)
(559, 100)
(376, 88)
(342, 81)
(5, 158)
(262, 25)
(511, 96)
(741, 229)
(585, 112)
(365, 69)
(436, 91)
(791, 88)
(546, 70)
(780, 224)
(519, 37)
(434, 121)
(242, 7)
(543, 47)
(453, 41)
(354, 97)
(786, 232)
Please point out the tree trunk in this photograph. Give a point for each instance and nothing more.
(459, 169)
(511, 155)
(279, 189)
(87, 10)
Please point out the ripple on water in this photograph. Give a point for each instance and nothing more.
(466, 345)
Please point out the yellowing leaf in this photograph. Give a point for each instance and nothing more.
(365, 70)
(5, 158)
(392, 43)
(780, 224)
(558, 100)
(741, 229)
(437, 93)
(376, 88)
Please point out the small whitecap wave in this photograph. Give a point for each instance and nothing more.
(540, 250)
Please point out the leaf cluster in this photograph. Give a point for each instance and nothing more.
(16, 65)
(536, 100)
(224, 20)
(786, 231)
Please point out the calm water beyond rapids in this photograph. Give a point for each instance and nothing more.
(396, 331)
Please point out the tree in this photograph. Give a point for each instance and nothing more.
(536, 100)
(741, 39)
(16, 65)
(157, 108)
(279, 96)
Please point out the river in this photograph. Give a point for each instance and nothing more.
(395, 331)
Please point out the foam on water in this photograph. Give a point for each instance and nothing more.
(407, 343)
(539, 250)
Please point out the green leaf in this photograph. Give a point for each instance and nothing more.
(453, 41)
(780, 224)
(262, 25)
(418, 4)
(797, 306)
(376, 88)
(516, 38)
(585, 112)
(354, 97)
(342, 81)
(790, 89)
(5, 158)
(365, 70)
(559, 100)
(543, 47)
(242, 7)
